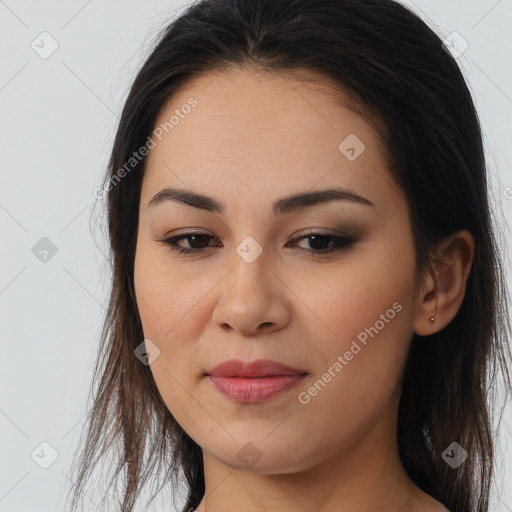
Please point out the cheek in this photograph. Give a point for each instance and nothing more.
(366, 315)
(168, 310)
(362, 354)
(173, 315)
(370, 330)
(168, 304)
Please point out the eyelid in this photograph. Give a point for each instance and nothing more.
(342, 241)
(301, 233)
(321, 231)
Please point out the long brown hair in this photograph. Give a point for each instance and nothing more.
(401, 77)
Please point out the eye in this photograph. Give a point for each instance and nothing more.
(324, 243)
(321, 243)
(195, 239)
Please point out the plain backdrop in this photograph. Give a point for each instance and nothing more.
(64, 74)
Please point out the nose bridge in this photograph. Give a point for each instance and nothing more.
(250, 296)
(249, 272)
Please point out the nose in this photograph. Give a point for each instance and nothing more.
(253, 299)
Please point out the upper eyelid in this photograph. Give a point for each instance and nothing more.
(345, 238)
(313, 230)
(304, 233)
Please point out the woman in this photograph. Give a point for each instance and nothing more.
(307, 300)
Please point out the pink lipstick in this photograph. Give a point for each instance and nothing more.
(255, 381)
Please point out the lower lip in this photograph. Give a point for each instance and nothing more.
(255, 389)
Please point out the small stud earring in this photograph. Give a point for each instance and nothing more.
(431, 321)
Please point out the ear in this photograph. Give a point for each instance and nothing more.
(441, 295)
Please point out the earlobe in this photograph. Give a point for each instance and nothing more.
(441, 295)
(425, 321)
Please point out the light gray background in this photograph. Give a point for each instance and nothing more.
(58, 119)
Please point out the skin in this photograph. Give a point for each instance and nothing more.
(253, 138)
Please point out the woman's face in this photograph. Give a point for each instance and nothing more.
(259, 285)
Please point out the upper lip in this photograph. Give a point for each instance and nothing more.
(258, 368)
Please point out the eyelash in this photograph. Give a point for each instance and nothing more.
(340, 243)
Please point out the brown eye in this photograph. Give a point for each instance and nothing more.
(324, 243)
(197, 242)
(320, 243)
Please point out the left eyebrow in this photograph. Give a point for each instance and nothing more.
(279, 207)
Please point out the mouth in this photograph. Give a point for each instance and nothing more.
(254, 382)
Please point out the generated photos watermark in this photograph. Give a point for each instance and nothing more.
(304, 397)
(143, 151)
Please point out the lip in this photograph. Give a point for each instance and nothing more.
(255, 381)
(258, 368)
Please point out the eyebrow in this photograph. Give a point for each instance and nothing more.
(279, 207)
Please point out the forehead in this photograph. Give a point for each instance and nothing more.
(262, 132)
